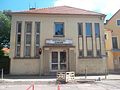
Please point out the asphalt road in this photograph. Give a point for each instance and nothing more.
(97, 85)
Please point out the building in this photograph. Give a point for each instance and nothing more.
(113, 25)
(109, 53)
(71, 39)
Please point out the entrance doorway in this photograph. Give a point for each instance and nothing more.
(58, 60)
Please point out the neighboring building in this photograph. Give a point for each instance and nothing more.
(71, 39)
(108, 46)
(113, 26)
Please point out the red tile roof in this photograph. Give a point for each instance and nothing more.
(60, 10)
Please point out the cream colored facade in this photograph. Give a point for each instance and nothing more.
(42, 65)
(108, 46)
(113, 30)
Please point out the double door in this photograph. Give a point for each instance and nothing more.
(59, 60)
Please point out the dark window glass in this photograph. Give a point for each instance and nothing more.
(105, 36)
(98, 53)
(37, 39)
(59, 28)
(37, 26)
(54, 57)
(18, 51)
(114, 43)
(118, 22)
(89, 53)
(19, 27)
(62, 57)
(28, 38)
(81, 53)
(27, 52)
(37, 51)
(18, 38)
(80, 29)
(97, 30)
(88, 29)
(28, 27)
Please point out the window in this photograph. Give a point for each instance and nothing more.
(114, 43)
(19, 27)
(80, 28)
(105, 36)
(27, 52)
(28, 27)
(18, 38)
(118, 22)
(89, 53)
(37, 39)
(28, 30)
(18, 51)
(81, 53)
(98, 53)
(59, 28)
(97, 30)
(88, 29)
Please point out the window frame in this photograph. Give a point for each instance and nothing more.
(16, 41)
(37, 44)
(80, 27)
(117, 22)
(117, 42)
(55, 29)
(27, 33)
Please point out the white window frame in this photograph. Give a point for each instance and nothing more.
(26, 33)
(18, 33)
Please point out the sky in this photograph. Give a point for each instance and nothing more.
(108, 7)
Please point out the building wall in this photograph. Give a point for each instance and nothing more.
(24, 67)
(108, 46)
(20, 66)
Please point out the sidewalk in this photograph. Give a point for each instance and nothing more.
(53, 78)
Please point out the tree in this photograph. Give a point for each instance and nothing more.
(5, 26)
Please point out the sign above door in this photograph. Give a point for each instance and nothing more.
(59, 41)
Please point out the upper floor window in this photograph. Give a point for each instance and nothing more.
(28, 27)
(97, 30)
(59, 28)
(28, 30)
(37, 38)
(19, 27)
(18, 38)
(80, 28)
(114, 43)
(118, 22)
(88, 29)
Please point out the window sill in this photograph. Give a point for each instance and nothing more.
(80, 35)
(26, 58)
(89, 57)
(59, 36)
